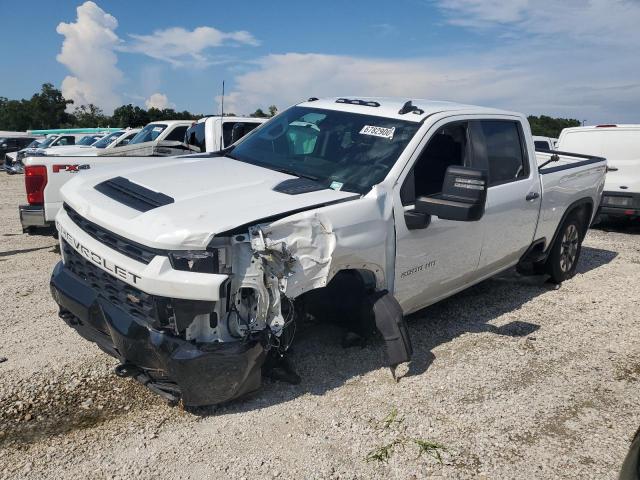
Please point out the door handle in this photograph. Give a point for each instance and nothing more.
(532, 196)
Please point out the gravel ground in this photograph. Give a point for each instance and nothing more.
(510, 379)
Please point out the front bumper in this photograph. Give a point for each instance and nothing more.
(203, 374)
(620, 204)
(33, 216)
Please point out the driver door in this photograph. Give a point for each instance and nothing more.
(442, 257)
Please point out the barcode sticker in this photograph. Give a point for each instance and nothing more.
(382, 132)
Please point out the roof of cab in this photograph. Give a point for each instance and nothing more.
(391, 107)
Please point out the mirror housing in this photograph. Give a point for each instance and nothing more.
(463, 197)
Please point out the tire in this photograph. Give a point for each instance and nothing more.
(565, 252)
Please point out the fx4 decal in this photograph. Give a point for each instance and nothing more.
(69, 168)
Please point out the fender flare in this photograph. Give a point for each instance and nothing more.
(585, 201)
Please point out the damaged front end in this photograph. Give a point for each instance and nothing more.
(211, 352)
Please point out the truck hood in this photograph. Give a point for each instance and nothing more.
(210, 196)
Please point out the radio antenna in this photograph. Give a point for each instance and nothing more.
(222, 117)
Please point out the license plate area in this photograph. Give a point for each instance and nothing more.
(617, 201)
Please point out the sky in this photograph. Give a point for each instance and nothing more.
(570, 58)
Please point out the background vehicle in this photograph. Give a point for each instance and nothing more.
(163, 138)
(545, 143)
(211, 134)
(115, 139)
(51, 141)
(48, 174)
(13, 144)
(620, 144)
(84, 141)
(367, 209)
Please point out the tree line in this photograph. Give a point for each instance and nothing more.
(49, 109)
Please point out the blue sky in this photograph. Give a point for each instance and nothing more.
(573, 58)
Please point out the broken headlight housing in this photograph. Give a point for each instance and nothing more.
(200, 261)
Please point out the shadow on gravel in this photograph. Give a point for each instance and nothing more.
(631, 227)
(25, 250)
(592, 258)
(324, 365)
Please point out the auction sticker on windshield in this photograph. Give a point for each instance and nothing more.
(382, 132)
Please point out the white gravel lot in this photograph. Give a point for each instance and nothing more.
(512, 379)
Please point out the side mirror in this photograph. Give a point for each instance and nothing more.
(463, 197)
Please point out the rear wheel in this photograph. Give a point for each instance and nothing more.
(565, 252)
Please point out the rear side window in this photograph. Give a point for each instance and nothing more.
(233, 131)
(542, 144)
(195, 137)
(505, 152)
(177, 135)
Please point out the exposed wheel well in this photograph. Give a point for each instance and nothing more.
(342, 300)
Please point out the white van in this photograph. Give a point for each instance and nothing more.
(620, 145)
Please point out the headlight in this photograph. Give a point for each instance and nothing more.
(201, 261)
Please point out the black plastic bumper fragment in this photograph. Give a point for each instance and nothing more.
(204, 374)
(390, 322)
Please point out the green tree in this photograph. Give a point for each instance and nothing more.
(129, 116)
(259, 114)
(273, 110)
(88, 116)
(550, 127)
(48, 108)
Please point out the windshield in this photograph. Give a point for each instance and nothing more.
(88, 140)
(148, 133)
(105, 141)
(47, 142)
(341, 150)
(34, 144)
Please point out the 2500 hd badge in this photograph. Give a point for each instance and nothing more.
(418, 268)
(89, 254)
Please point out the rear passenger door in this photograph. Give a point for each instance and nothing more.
(513, 197)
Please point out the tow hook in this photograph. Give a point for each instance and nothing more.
(125, 370)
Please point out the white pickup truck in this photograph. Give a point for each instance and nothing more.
(194, 271)
(119, 138)
(44, 176)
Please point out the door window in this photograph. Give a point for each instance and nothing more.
(504, 150)
(177, 135)
(66, 141)
(448, 146)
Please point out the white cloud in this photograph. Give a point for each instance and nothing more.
(534, 83)
(159, 101)
(179, 46)
(88, 52)
(574, 59)
(596, 22)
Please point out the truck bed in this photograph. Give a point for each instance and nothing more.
(566, 178)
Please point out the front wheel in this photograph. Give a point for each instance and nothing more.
(565, 252)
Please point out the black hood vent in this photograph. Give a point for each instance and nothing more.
(133, 195)
(296, 186)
